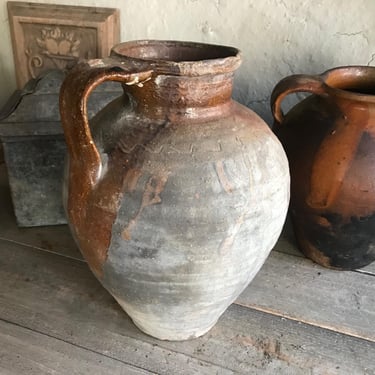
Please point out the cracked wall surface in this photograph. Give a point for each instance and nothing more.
(277, 37)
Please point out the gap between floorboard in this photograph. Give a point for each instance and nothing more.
(106, 355)
(270, 311)
(73, 344)
(33, 247)
(301, 321)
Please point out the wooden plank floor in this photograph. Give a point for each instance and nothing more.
(294, 318)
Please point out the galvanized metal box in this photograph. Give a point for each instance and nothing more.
(34, 147)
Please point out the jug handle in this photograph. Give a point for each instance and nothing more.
(74, 92)
(292, 84)
(337, 149)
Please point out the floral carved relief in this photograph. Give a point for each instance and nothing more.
(48, 36)
(57, 47)
(61, 48)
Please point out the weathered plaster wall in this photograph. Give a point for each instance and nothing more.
(277, 37)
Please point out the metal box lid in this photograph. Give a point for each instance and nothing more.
(34, 110)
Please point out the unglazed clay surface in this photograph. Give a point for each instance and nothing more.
(181, 194)
(196, 233)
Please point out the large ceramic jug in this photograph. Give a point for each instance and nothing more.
(329, 138)
(177, 194)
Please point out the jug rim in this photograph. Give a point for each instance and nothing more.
(348, 82)
(176, 57)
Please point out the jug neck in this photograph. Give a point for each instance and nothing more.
(178, 98)
(190, 80)
(351, 84)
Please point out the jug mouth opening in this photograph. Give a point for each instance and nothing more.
(180, 57)
(352, 81)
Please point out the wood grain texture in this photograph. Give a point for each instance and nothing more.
(75, 318)
(299, 289)
(24, 351)
(59, 297)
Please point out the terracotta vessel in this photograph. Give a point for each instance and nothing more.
(329, 138)
(177, 194)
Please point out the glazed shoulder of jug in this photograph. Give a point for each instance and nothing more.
(329, 139)
(174, 192)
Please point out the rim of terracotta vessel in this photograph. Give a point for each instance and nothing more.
(351, 82)
(176, 57)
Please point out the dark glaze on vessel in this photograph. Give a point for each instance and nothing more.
(330, 142)
(178, 193)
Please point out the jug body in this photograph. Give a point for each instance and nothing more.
(184, 192)
(330, 144)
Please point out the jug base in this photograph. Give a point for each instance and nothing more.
(338, 263)
(163, 329)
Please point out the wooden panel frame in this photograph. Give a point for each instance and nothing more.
(47, 36)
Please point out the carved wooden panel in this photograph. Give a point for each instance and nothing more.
(46, 36)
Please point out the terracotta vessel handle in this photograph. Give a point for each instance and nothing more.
(75, 90)
(336, 152)
(292, 84)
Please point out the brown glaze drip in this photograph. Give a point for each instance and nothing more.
(337, 150)
(151, 196)
(92, 223)
(181, 86)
